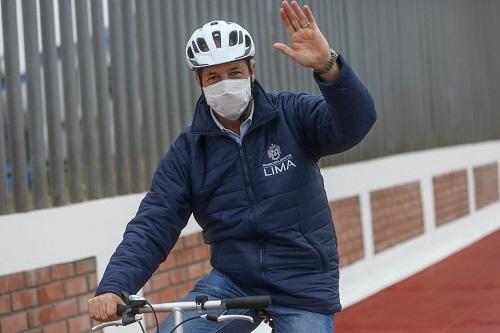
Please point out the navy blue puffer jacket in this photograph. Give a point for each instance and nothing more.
(262, 205)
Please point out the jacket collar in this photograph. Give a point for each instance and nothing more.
(264, 111)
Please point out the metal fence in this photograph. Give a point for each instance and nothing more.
(88, 109)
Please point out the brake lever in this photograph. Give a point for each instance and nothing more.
(234, 317)
(222, 318)
(115, 323)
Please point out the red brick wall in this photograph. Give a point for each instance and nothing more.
(451, 199)
(176, 276)
(347, 219)
(486, 184)
(48, 299)
(396, 215)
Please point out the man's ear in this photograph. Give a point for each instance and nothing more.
(252, 66)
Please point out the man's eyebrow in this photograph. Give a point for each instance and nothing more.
(229, 70)
(211, 73)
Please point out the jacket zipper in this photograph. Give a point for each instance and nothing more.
(251, 197)
(261, 257)
(246, 175)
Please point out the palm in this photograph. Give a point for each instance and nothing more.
(308, 47)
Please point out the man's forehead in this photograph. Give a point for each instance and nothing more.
(238, 64)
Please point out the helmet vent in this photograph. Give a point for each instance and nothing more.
(240, 39)
(195, 48)
(216, 37)
(233, 38)
(202, 44)
(190, 53)
(248, 41)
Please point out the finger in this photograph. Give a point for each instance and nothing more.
(103, 315)
(95, 314)
(111, 311)
(286, 22)
(291, 15)
(284, 49)
(310, 16)
(90, 309)
(300, 14)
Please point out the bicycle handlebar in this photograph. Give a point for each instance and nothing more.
(130, 312)
(250, 302)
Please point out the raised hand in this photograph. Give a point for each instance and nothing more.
(309, 47)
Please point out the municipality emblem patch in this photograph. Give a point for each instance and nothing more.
(274, 152)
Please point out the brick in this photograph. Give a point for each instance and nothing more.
(351, 258)
(50, 292)
(11, 282)
(24, 299)
(66, 308)
(154, 297)
(86, 265)
(194, 271)
(177, 276)
(192, 240)
(353, 233)
(79, 324)
(351, 246)
(37, 277)
(345, 202)
(184, 289)
(41, 315)
(486, 185)
(394, 211)
(82, 302)
(178, 246)
(75, 286)
(347, 220)
(168, 264)
(201, 252)
(160, 280)
(92, 281)
(59, 327)
(345, 208)
(62, 271)
(450, 196)
(184, 257)
(17, 322)
(168, 295)
(5, 304)
(207, 267)
(148, 286)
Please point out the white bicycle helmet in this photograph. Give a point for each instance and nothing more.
(218, 42)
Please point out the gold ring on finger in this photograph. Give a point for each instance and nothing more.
(306, 25)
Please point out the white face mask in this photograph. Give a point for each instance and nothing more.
(229, 98)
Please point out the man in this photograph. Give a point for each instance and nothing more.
(247, 169)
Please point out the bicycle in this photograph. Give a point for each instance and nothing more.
(135, 305)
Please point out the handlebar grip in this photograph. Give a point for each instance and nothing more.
(121, 308)
(250, 302)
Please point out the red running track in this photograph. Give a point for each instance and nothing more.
(460, 294)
